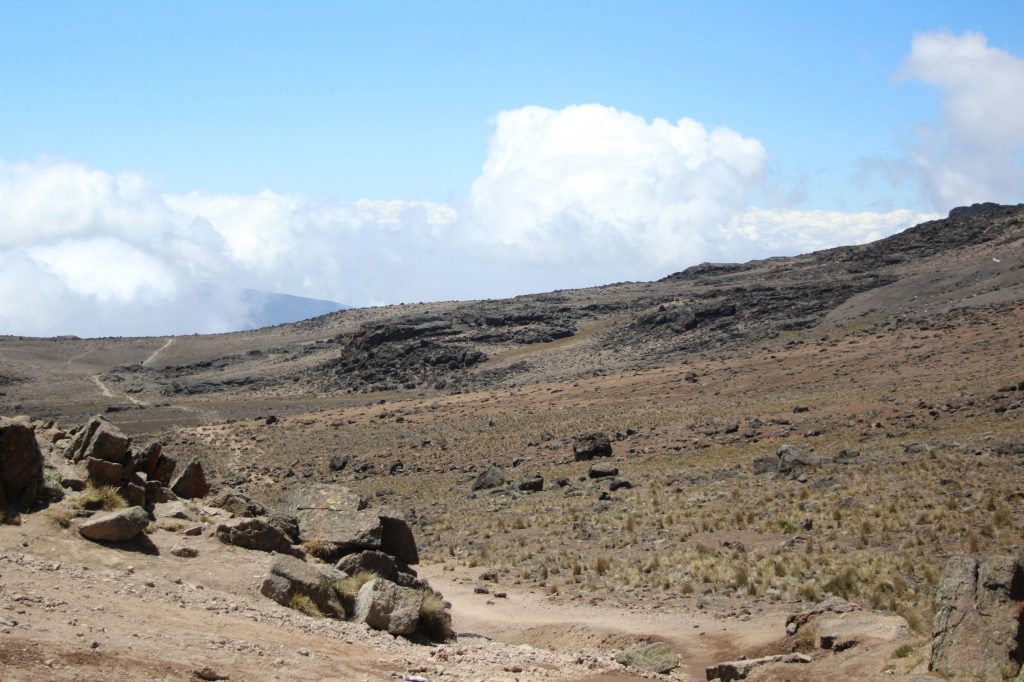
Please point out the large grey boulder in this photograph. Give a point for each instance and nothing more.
(238, 504)
(491, 477)
(656, 658)
(383, 605)
(119, 526)
(100, 439)
(369, 560)
(21, 465)
(338, 520)
(257, 533)
(979, 626)
(191, 482)
(587, 446)
(289, 577)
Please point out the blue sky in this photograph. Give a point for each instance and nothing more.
(393, 151)
(389, 100)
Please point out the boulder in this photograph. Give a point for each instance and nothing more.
(491, 477)
(338, 463)
(619, 484)
(103, 472)
(148, 459)
(397, 538)
(134, 492)
(255, 533)
(163, 470)
(655, 658)
(119, 526)
(238, 504)
(383, 605)
(289, 576)
(603, 470)
(288, 524)
(191, 482)
(793, 461)
(532, 484)
(979, 626)
(156, 493)
(370, 560)
(587, 446)
(100, 439)
(21, 465)
(337, 518)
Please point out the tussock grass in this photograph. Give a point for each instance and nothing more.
(98, 498)
(435, 621)
(304, 604)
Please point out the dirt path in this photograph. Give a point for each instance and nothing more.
(528, 617)
(104, 389)
(71, 609)
(153, 356)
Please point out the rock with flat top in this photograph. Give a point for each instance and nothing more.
(257, 533)
(119, 526)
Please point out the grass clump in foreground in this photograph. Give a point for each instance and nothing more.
(435, 621)
(304, 604)
(98, 498)
(347, 588)
(59, 516)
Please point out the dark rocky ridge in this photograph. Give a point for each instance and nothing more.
(455, 347)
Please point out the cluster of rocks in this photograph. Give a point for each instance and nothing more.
(586, 447)
(143, 476)
(362, 570)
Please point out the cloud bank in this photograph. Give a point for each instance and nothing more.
(574, 197)
(976, 151)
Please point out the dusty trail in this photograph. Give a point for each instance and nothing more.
(153, 356)
(527, 617)
(102, 386)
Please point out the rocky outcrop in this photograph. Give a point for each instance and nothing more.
(789, 461)
(491, 477)
(253, 533)
(979, 625)
(587, 446)
(603, 470)
(238, 504)
(191, 482)
(290, 577)
(383, 605)
(21, 465)
(336, 518)
(119, 526)
(99, 439)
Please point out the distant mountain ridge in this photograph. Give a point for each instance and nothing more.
(267, 308)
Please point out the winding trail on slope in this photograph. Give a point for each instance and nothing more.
(152, 357)
(102, 386)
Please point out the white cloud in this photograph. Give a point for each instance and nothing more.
(976, 153)
(581, 196)
(592, 186)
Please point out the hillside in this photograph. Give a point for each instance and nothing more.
(830, 428)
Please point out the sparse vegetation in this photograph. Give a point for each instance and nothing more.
(98, 498)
